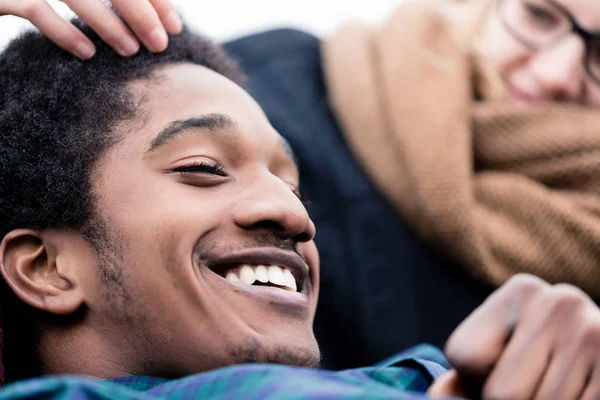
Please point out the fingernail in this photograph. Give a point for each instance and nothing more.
(84, 50)
(158, 39)
(128, 46)
(173, 23)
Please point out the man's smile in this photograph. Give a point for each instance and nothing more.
(267, 275)
(270, 273)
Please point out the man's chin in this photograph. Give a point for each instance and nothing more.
(307, 358)
(306, 354)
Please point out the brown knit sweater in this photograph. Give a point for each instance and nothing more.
(500, 188)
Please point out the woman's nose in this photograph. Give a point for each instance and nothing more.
(560, 69)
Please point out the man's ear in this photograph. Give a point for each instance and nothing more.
(39, 276)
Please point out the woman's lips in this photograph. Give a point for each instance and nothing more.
(521, 96)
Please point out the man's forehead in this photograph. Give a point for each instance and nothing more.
(193, 100)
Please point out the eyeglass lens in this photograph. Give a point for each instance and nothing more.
(540, 23)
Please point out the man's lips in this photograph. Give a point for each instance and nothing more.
(263, 256)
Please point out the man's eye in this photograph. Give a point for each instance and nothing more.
(203, 168)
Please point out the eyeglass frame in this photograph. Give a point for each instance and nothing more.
(587, 36)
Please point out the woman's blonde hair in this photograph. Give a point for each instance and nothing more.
(469, 17)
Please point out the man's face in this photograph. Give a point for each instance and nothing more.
(198, 195)
(557, 71)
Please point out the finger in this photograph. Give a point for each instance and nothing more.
(106, 24)
(592, 390)
(168, 16)
(61, 32)
(522, 366)
(476, 345)
(447, 385)
(143, 20)
(575, 350)
(566, 377)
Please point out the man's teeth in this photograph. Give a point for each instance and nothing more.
(290, 281)
(232, 277)
(276, 276)
(261, 274)
(249, 274)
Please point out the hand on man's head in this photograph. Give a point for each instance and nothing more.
(529, 340)
(150, 22)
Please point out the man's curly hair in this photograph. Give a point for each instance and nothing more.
(57, 115)
(57, 119)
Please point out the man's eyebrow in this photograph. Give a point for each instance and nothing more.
(208, 123)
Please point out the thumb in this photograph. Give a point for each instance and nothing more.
(447, 385)
(476, 345)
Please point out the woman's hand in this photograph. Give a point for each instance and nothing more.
(529, 340)
(150, 21)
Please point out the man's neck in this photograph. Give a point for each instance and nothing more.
(82, 351)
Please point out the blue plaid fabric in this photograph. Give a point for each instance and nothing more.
(404, 376)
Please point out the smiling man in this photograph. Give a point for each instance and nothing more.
(205, 190)
(152, 230)
(144, 184)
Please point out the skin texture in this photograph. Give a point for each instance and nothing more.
(157, 308)
(556, 73)
(149, 22)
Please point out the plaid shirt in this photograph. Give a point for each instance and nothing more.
(404, 376)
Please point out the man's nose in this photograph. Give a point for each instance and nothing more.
(560, 69)
(272, 205)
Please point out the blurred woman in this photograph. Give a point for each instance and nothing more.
(477, 122)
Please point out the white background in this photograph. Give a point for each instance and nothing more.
(227, 19)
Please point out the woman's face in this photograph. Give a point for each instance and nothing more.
(539, 58)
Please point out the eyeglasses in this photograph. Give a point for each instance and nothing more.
(539, 24)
